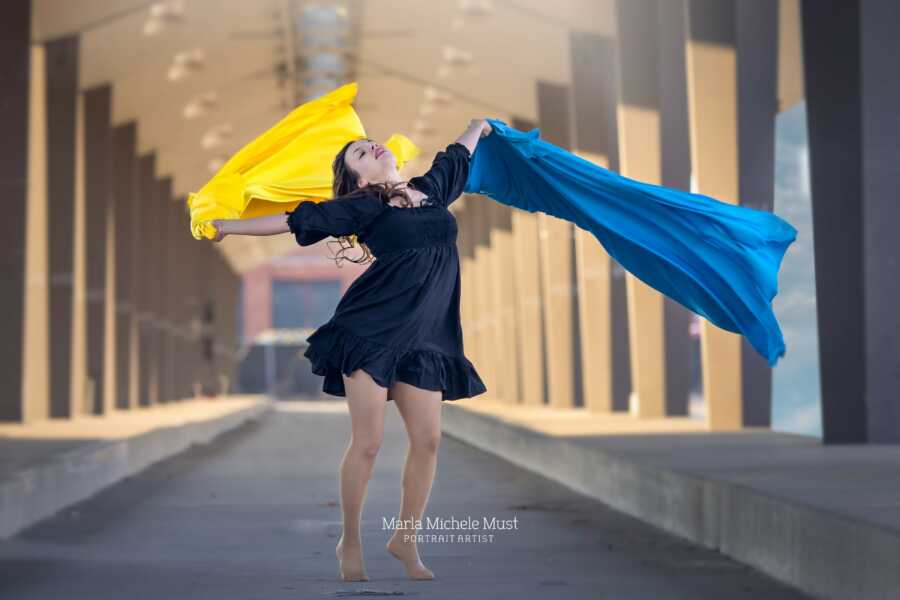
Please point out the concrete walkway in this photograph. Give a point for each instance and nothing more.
(49, 464)
(254, 515)
(822, 519)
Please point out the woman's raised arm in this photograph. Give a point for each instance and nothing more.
(268, 225)
(478, 128)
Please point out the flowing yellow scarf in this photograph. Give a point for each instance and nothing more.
(289, 163)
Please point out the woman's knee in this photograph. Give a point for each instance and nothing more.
(426, 441)
(367, 448)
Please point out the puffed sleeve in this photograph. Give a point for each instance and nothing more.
(448, 173)
(313, 221)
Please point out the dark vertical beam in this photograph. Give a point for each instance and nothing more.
(15, 82)
(98, 208)
(880, 41)
(594, 100)
(126, 196)
(142, 269)
(757, 93)
(187, 246)
(675, 173)
(62, 89)
(171, 296)
(849, 50)
(555, 115)
(831, 60)
(594, 95)
(163, 291)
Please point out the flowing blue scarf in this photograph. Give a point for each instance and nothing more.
(717, 259)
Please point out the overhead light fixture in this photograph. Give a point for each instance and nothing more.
(456, 56)
(215, 163)
(186, 62)
(216, 136)
(476, 8)
(200, 105)
(423, 128)
(162, 14)
(436, 96)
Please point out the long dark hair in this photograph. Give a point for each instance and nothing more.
(345, 186)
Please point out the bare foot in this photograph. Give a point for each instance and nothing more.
(408, 554)
(352, 567)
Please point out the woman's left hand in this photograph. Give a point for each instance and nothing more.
(486, 128)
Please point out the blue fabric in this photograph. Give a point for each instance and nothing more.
(717, 259)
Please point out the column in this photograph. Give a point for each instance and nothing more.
(557, 260)
(503, 256)
(640, 158)
(529, 300)
(142, 356)
(98, 211)
(23, 351)
(484, 299)
(128, 230)
(168, 289)
(757, 88)
(712, 101)
(676, 173)
(604, 356)
(850, 52)
(62, 88)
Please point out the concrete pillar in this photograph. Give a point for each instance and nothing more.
(226, 323)
(62, 88)
(557, 260)
(98, 211)
(850, 52)
(202, 314)
(23, 351)
(712, 100)
(494, 294)
(484, 299)
(790, 55)
(675, 173)
(183, 278)
(154, 248)
(80, 393)
(142, 358)
(604, 356)
(504, 256)
(640, 158)
(757, 89)
(128, 229)
(464, 246)
(167, 291)
(531, 344)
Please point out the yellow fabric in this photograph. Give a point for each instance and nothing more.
(287, 164)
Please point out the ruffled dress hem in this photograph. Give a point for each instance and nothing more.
(334, 351)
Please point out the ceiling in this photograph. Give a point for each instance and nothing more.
(404, 53)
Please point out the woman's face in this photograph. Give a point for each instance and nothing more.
(371, 160)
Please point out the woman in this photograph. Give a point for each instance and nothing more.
(396, 332)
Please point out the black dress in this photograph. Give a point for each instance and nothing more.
(399, 320)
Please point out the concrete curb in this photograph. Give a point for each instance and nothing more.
(37, 492)
(824, 554)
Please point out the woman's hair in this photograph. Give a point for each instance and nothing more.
(344, 185)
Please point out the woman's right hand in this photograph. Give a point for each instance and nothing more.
(219, 224)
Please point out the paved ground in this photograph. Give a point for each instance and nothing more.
(255, 516)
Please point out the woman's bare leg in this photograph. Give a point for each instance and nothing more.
(421, 412)
(367, 403)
